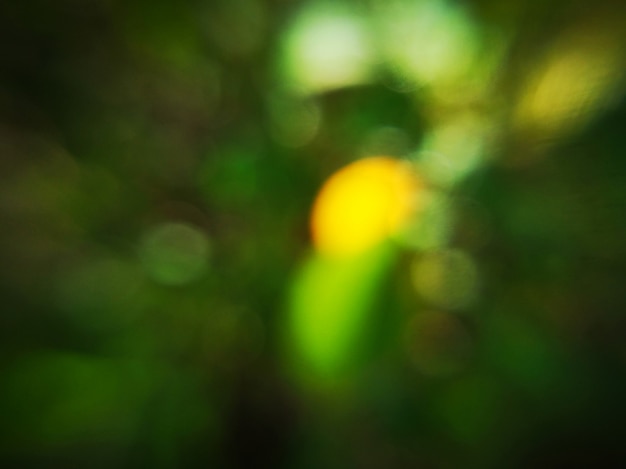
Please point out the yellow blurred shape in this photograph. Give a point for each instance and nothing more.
(363, 204)
(578, 78)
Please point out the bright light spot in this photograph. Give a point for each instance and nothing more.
(174, 253)
(430, 41)
(327, 48)
(447, 278)
(578, 77)
(454, 149)
(363, 204)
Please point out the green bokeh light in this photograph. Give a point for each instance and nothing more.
(174, 253)
(326, 48)
(331, 300)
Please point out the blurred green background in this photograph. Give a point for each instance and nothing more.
(163, 305)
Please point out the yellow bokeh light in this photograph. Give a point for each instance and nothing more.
(578, 78)
(363, 204)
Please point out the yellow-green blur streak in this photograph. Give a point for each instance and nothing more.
(330, 305)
